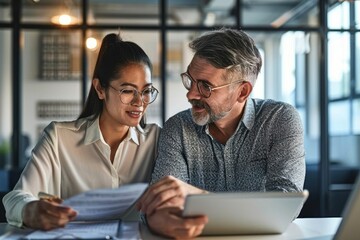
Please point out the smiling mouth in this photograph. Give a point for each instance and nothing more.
(135, 113)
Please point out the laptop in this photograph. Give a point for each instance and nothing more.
(245, 212)
(349, 226)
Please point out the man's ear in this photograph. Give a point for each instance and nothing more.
(246, 89)
(98, 88)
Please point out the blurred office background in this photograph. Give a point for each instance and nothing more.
(311, 52)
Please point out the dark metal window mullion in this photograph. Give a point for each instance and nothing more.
(16, 139)
(352, 63)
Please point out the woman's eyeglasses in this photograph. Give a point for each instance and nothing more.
(129, 94)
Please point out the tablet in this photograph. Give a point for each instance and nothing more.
(245, 212)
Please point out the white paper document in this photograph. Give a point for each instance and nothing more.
(108, 230)
(105, 204)
(80, 230)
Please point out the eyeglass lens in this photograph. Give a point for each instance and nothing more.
(148, 95)
(202, 87)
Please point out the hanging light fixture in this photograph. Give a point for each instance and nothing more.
(91, 43)
(65, 18)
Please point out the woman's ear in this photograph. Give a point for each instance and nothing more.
(246, 89)
(98, 88)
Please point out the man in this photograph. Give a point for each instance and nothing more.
(227, 141)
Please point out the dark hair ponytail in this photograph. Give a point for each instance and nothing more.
(114, 55)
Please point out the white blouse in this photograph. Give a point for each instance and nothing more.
(72, 157)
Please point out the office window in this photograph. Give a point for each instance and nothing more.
(184, 12)
(123, 12)
(357, 61)
(356, 116)
(206, 13)
(343, 84)
(338, 15)
(283, 13)
(259, 87)
(5, 11)
(51, 68)
(179, 56)
(339, 118)
(288, 57)
(56, 12)
(357, 14)
(5, 98)
(339, 64)
(297, 82)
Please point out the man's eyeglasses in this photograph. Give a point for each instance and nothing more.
(204, 88)
(129, 94)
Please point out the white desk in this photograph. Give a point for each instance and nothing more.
(301, 228)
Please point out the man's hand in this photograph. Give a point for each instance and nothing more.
(167, 221)
(168, 191)
(46, 215)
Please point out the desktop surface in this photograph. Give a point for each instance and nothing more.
(301, 228)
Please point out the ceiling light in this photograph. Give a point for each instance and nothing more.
(64, 19)
(65, 16)
(91, 43)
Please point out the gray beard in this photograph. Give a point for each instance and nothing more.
(203, 119)
(200, 119)
(207, 118)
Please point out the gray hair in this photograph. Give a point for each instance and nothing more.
(230, 49)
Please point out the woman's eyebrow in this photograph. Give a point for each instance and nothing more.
(133, 85)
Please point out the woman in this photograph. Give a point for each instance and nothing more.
(107, 146)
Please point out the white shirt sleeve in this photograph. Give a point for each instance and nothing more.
(72, 157)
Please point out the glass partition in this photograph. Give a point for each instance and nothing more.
(356, 117)
(338, 15)
(64, 12)
(5, 12)
(280, 13)
(51, 69)
(339, 64)
(124, 12)
(179, 56)
(203, 13)
(292, 76)
(5, 99)
(357, 14)
(357, 61)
